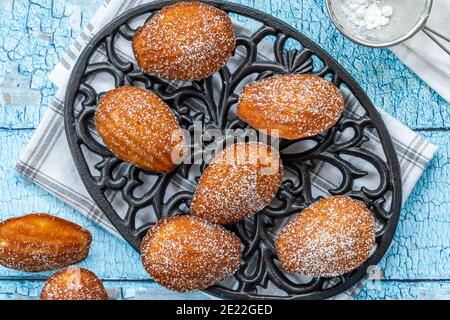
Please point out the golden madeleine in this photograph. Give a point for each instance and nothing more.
(187, 253)
(185, 41)
(74, 283)
(41, 242)
(329, 238)
(292, 106)
(238, 183)
(138, 127)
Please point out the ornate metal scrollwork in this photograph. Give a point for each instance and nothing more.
(211, 101)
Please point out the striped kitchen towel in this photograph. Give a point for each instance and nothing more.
(47, 160)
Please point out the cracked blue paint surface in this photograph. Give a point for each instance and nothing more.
(33, 34)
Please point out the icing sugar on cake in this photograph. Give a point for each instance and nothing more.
(74, 283)
(297, 105)
(185, 41)
(329, 238)
(239, 182)
(187, 253)
(139, 127)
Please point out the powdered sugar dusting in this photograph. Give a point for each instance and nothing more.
(298, 105)
(185, 41)
(330, 238)
(187, 253)
(138, 127)
(239, 182)
(74, 283)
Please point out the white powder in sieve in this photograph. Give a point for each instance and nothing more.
(367, 14)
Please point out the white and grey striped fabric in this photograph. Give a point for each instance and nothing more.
(47, 159)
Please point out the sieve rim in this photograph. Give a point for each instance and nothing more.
(419, 26)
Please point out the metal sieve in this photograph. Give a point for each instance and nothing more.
(410, 17)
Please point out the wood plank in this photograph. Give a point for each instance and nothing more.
(405, 290)
(126, 290)
(34, 35)
(117, 290)
(420, 248)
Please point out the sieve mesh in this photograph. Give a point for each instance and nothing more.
(408, 18)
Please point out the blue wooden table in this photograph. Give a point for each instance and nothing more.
(34, 33)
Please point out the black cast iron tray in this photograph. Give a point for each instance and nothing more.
(128, 195)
